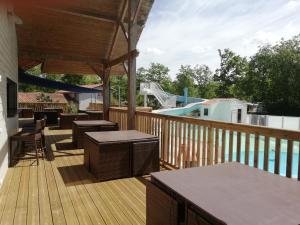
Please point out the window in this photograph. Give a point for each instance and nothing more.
(206, 112)
(11, 98)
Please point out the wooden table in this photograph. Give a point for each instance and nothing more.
(118, 154)
(95, 115)
(223, 194)
(66, 119)
(82, 126)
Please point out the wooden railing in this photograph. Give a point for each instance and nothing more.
(37, 107)
(188, 142)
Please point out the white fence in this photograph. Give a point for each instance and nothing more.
(282, 122)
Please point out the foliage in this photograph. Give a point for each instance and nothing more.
(185, 78)
(273, 78)
(72, 107)
(117, 82)
(232, 67)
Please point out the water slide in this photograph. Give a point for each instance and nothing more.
(166, 99)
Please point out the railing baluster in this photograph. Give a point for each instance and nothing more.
(184, 144)
(266, 153)
(256, 146)
(171, 140)
(277, 156)
(199, 145)
(180, 145)
(289, 159)
(193, 160)
(230, 146)
(223, 145)
(247, 148)
(217, 146)
(238, 147)
(204, 146)
(176, 143)
(188, 151)
(210, 145)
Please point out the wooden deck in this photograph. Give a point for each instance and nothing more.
(61, 191)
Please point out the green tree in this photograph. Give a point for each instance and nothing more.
(232, 68)
(203, 77)
(185, 79)
(274, 78)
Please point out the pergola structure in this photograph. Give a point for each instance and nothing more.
(83, 37)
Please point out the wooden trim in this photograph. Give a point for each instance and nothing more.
(34, 54)
(139, 5)
(120, 21)
(132, 54)
(82, 14)
(132, 42)
(106, 97)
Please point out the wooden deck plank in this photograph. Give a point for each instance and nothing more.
(5, 190)
(12, 197)
(44, 200)
(78, 205)
(58, 216)
(87, 178)
(33, 197)
(22, 202)
(61, 191)
(93, 213)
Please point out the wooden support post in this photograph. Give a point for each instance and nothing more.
(106, 97)
(132, 42)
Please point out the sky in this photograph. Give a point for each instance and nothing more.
(190, 32)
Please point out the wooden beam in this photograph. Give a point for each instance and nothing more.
(132, 54)
(118, 27)
(82, 14)
(98, 72)
(125, 66)
(132, 42)
(137, 10)
(106, 97)
(57, 56)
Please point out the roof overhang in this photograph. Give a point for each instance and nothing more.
(76, 36)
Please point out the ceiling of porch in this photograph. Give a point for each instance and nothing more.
(75, 36)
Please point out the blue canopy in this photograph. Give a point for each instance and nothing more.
(26, 78)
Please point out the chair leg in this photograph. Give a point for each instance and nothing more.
(37, 153)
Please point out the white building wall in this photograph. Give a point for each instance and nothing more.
(8, 68)
(226, 111)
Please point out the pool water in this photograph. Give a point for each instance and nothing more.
(283, 151)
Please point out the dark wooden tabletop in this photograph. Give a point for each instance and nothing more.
(237, 194)
(93, 122)
(74, 114)
(119, 136)
(95, 112)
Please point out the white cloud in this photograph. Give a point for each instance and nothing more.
(190, 31)
(154, 51)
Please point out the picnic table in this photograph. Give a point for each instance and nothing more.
(229, 193)
(119, 154)
(82, 126)
(66, 119)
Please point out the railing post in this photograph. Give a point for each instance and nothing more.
(210, 144)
